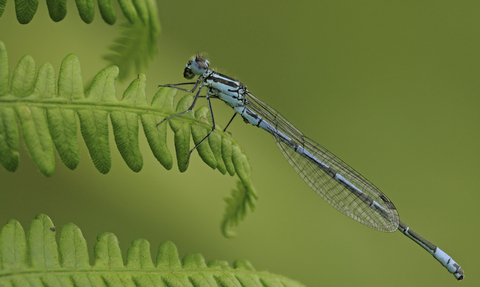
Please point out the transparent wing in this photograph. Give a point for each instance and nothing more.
(336, 194)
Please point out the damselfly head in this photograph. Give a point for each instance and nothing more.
(197, 66)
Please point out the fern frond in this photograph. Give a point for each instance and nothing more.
(236, 209)
(137, 45)
(46, 114)
(57, 9)
(39, 261)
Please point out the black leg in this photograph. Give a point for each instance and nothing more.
(197, 95)
(225, 129)
(176, 86)
(213, 129)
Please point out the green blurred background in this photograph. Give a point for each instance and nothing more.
(391, 88)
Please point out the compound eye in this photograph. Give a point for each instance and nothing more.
(188, 73)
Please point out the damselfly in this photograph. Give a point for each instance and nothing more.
(332, 179)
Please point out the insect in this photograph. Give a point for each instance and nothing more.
(332, 179)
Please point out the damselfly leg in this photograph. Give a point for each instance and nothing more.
(197, 95)
(229, 122)
(176, 86)
(213, 129)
